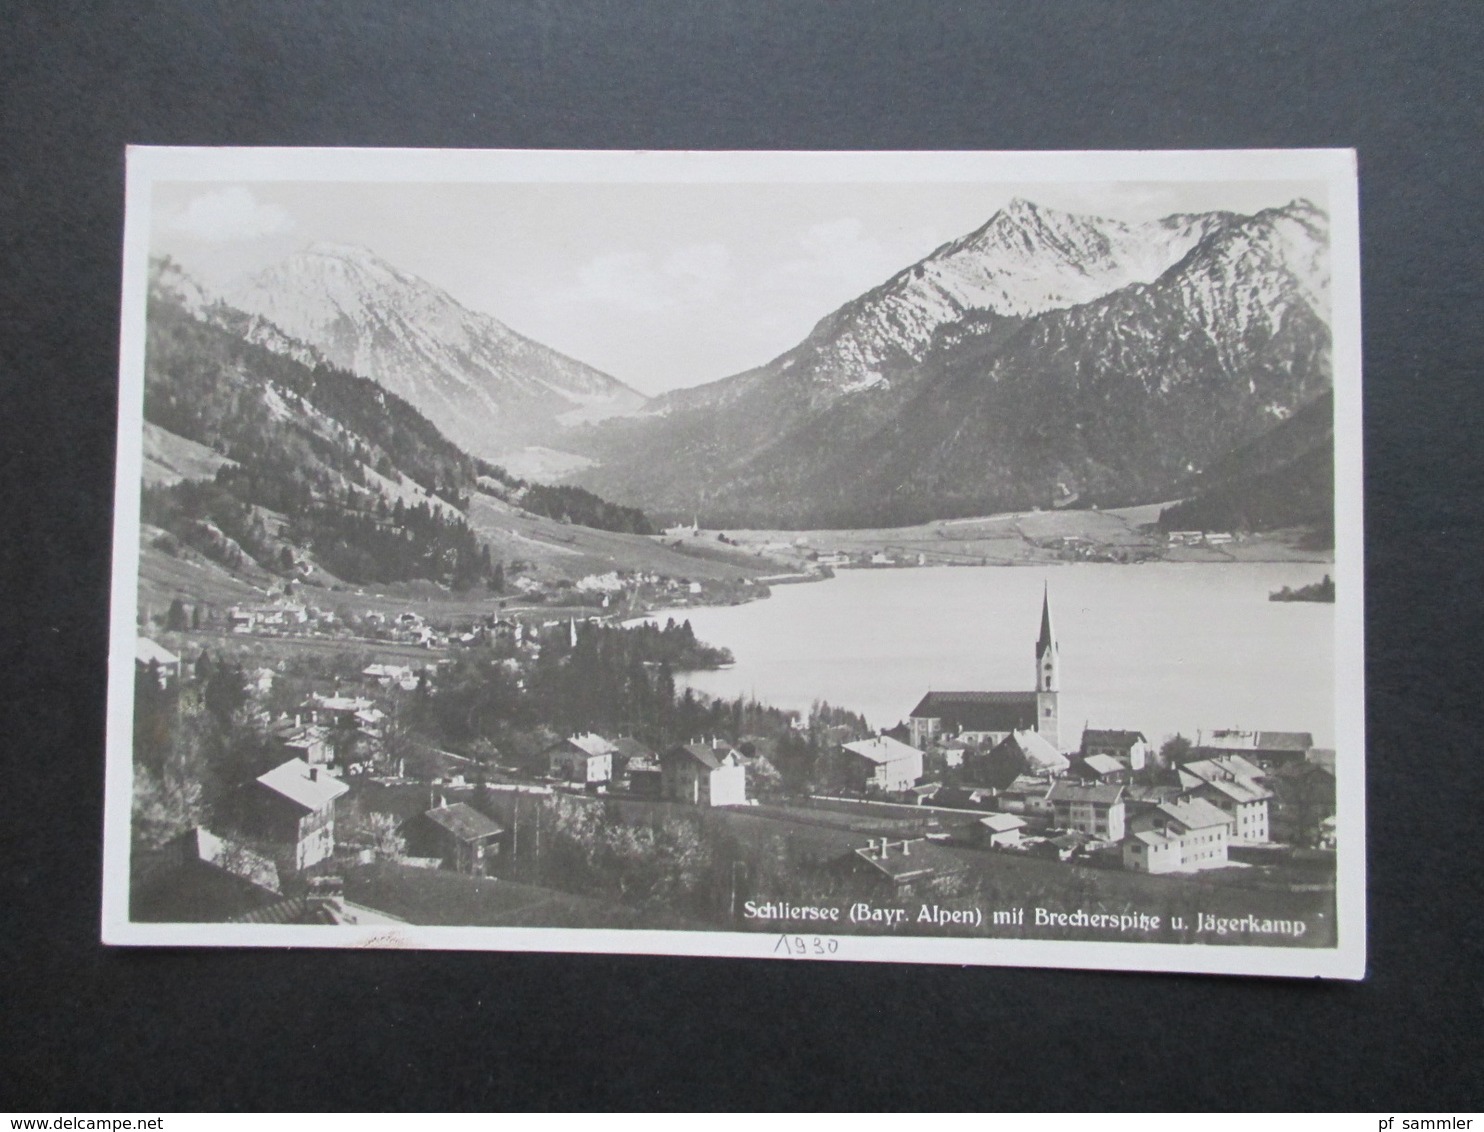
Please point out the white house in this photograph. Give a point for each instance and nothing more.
(1233, 785)
(704, 775)
(1128, 747)
(1000, 829)
(1177, 837)
(885, 763)
(582, 758)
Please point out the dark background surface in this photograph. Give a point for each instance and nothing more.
(88, 1028)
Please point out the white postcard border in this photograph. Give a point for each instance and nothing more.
(1336, 167)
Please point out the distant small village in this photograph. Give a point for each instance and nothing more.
(295, 765)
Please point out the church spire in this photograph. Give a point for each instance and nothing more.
(1047, 638)
(1048, 654)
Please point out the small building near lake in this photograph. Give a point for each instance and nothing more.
(703, 774)
(584, 759)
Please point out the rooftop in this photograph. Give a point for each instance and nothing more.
(303, 784)
(1001, 823)
(712, 757)
(1039, 754)
(464, 822)
(590, 744)
(339, 703)
(1194, 813)
(147, 651)
(1234, 739)
(1234, 777)
(1107, 737)
(1098, 794)
(908, 860)
(630, 748)
(1103, 764)
(881, 749)
(980, 711)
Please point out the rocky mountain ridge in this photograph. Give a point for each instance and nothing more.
(1102, 362)
(485, 386)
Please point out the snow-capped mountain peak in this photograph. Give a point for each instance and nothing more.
(486, 386)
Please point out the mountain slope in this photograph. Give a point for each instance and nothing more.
(1284, 478)
(1113, 397)
(486, 387)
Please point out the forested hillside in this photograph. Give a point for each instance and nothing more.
(325, 464)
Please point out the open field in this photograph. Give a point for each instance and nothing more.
(169, 458)
(556, 550)
(439, 897)
(1027, 538)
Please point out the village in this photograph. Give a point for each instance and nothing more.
(328, 796)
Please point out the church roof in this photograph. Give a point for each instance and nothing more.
(980, 711)
(1110, 737)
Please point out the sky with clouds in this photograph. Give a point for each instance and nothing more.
(661, 285)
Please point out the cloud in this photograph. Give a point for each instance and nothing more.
(645, 283)
(228, 215)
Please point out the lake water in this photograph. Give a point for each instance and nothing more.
(1160, 648)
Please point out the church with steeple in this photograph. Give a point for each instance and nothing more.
(986, 718)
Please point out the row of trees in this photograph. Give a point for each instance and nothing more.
(568, 504)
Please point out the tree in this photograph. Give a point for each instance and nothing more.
(1158, 767)
(175, 620)
(226, 691)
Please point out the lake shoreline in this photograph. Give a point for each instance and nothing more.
(1136, 644)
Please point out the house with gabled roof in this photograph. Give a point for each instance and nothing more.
(585, 759)
(150, 653)
(884, 763)
(1130, 748)
(1096, 809)
(1102, 768)
(999, 830)
(1236, 787)
(628, 751)
(464, 839)
(1177, 837)
(292, 807)
(703, 774)
(907, 867)
(1268, 749)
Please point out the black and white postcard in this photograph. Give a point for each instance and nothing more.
(910, 557)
